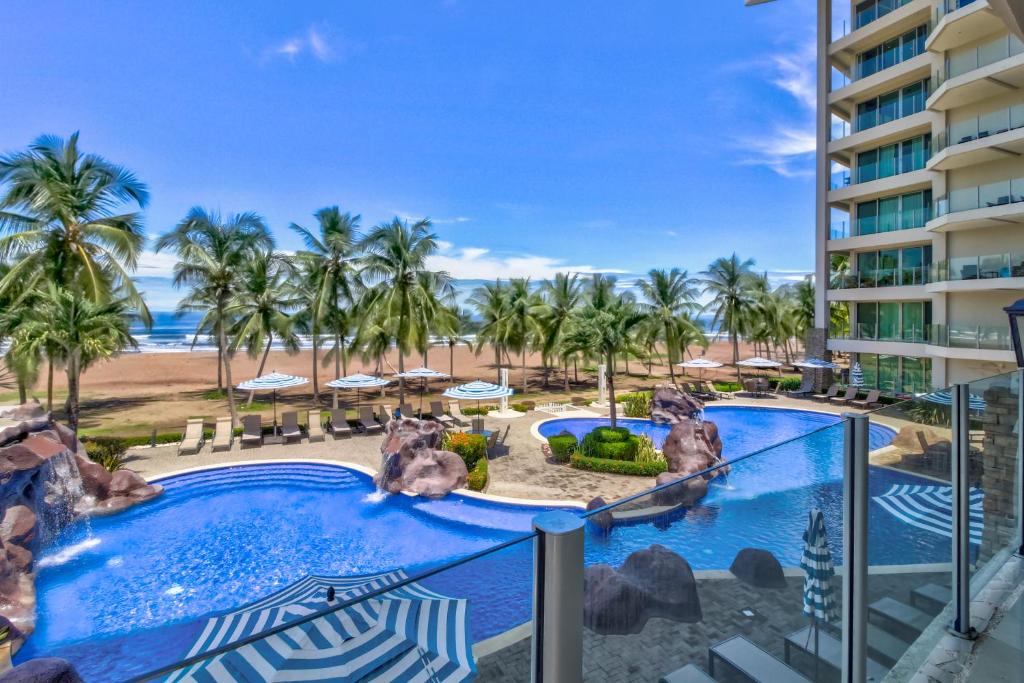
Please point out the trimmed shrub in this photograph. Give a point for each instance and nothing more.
(110, 453)
(616, 450)
(786, 383)
(637, 404)
(638, 469)
(477, 479)
(562, 446)
(482, 410)
(727, 386)
(646, 452)
(610, 435)
(470, 447)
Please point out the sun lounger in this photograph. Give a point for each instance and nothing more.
(339, 425)
(252, 431)
(437, 412)
(870, 402)
(492, 444)
(406, 411)
(899, 619)
(192, 440)
(828, 395)
(752, 662)
(456, 413)
(829, 652)
(385, 414)
(930, 598)
(850, 395)
(806, 387)
(290, 426)
(688, 674)
(223, 435)
(314, 427)
(709, 390)
(367, 422)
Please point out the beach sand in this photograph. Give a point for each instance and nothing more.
(135, 393)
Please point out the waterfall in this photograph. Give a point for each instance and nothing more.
(388, 472)
(58, 494)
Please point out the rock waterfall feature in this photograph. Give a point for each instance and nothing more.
(412, 462)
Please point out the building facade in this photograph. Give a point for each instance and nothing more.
(920, 204)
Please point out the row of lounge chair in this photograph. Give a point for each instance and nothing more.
(702, 390)
(849, 397)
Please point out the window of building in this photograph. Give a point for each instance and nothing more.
(892, 105)
(902, 157)
(907, 374)
(899, 212)
(891, 52)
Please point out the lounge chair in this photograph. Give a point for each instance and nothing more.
(708, 390)
(223, 435)
(385, 414)
(367, 422)
(828, 652)
(828, 395)
(456, 412)
(314, 426)
(900, 619)
(252, 431)
(290, 426)
(870, 402)
(406, 411)
(339, 424)
(437, 412)
(934, 456)
(806, 387)
(690, 673)
(192, 440)
(492, 443)
(850, 395)
(752, 662)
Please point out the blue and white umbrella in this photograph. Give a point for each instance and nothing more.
(760, 363)
(409, 633)
(930, 507)
(856, 375)
(422, 374)
(478, 390)
(701, 364)
(945, 398)
(816, 364)
(358, 382)
(272, 382)
(819, 575)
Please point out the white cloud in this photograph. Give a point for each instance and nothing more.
(313, 43)
(153, 264)
(785, 150)
(794, 74)
(411, 218)
(478, 263)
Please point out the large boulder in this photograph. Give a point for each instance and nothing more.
(604, 519)
(42, 670)
(18, 525)
(123, 482)
(685, 493)
(758, 568)
(688, 449)
(654, 582)
(670, 405)
(95, 477)
(410, 460)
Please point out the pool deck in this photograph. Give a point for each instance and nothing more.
(520, 471)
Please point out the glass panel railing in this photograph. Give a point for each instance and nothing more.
(990, 337)
(965, 61)
(884, 277)
(981, 197)
(839, 180)
(980, 127)
(958, 268)
(947, 6)
(839, 230)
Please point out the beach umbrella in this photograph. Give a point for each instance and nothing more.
(478, 390)
(816, 364)
(856, 375)
(930, 507)
(422, 374)
(273, 382)
(408, 633)
(358, 382)
(945, 398)
(700, 364)
(759, 363)
(819, 577)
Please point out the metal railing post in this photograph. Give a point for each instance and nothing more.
(961, 465)
(855, 548)
(1020, 462)
(557, 644)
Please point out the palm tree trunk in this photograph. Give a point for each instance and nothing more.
(337, 369)
(497, 362)
(220, 362)
(401, 380)
(232, 409)
(263, 364)
(49, 385)
(612, 413)
(524, 369)
(22, 392)
(316, 374)
(565, 367)
(451, 363)
(575, 371)
(71, 406)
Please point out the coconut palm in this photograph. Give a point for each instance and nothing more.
(68, 218)
(212, 254)
(669, 296)
(803, 311)
(491, 302)
(461, 322)
(521, 323)
(260, 308)
(561, 297)
(729, 282)
(84, 330)
(400, 284)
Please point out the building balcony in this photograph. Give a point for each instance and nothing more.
(959, 22)
(973, 342)
(977, 273)
(844, 100)
(882, 278)
(875, 240)
(843, 150)
(870, 28)
(995, 68)
(866, 340)
(845, 187)
(995, 136)
(984, 206)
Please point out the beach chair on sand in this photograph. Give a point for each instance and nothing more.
(456, 413)
(406, 411)
(252, 431)
(870, 402)
(384, 414)
(290, 426)
(832, 392)
(339, 425)
(437, 412)
(223, 435)
(192, 440)
(315, 428)
(806, 387)
(492, 443)
(367, 422)
(850, 395)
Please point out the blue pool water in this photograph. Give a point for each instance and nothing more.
(123, 594)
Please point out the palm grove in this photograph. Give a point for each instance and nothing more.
(71, 234)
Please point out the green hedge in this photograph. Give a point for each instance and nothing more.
(477, 479)
(636, 404)
(563, 446)
(610, 435)
(618, 450)
(727, 386)
(482, 410)
(470, 447)
(786, 383)
(110, 453)
(639, 469)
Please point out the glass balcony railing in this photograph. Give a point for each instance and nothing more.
(839, 230)
(1008, 264)
(989, 337)
(887, 333)
(908, 219)
(980, 127)
(947, 6)
(981, 197)
(881, 277)
(961, 63)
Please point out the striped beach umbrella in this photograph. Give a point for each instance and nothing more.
(816, 364)
(409, 633)
(819, 575)
(358, 382)
(856, 375)
(478, 390)
(272, 382)
(930, 507)
(701, 364)
(945, 398)
(423, 374)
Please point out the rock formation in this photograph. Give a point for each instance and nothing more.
(669, 405)
(603, 520)
(688, 447)
(758, 568)
(654, 582)
(46, 480)
(410, 460)
(42, 670)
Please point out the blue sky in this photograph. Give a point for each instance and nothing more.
(537, 136)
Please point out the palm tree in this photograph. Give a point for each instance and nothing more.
(212, 253)
(803, 312)
(401, 286)
(85, 332)
(331, 259)
(561, 297)
(521, 323)
(461, 323)
(260, 306)
(729, 281)
(669, 296)
(491, 302)
(66, 218)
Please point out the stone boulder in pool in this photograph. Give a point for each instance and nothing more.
(654, 582)
(693, 446)
(670, 405)
(411, 461)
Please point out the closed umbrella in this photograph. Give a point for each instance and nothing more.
(478, 391)
(273, 382)
(422, 374)
(856, 375)
(358, 382)
(700, 364)
(819, 577)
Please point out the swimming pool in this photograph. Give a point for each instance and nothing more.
(123, 594)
